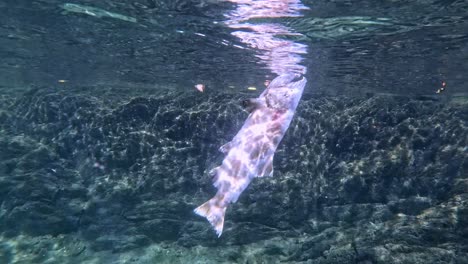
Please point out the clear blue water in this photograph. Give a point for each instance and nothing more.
(389, 46)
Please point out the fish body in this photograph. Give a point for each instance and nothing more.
(250, 153)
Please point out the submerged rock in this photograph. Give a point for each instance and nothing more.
(365, 180)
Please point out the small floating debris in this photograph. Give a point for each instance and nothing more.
(441, 89)
(200, 87)
(94, 11)
(99, 166)
(251, 88)
(62, 81)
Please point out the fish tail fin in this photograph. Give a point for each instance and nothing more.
(214, 213)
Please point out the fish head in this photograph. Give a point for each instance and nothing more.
(285, 91)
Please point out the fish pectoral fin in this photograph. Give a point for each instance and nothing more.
(225, 148)
(251, 104)
(267, 169)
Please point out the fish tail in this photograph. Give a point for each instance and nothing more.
(214, 213)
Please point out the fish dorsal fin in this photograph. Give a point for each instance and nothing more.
(252, 104)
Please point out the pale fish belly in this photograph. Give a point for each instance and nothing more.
(250, 153)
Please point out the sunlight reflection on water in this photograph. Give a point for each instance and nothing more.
(279, 55)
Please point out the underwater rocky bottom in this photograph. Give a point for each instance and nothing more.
(106, 175)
